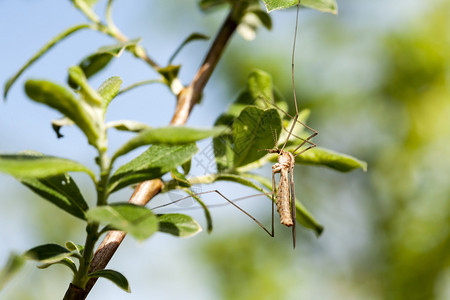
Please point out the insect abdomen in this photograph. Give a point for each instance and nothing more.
(283, 203)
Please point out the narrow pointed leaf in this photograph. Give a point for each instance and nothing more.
(97, 61)
(329, 6)
(117, 49)
(32, 166)
(94, 63)
(324, 157)
(207, 4)
(61, 99)
(153, 163)
(186, 167)
(178, 225)
(91, 3)
(41, 52)
(75, 248)
(76, 75)
(61, 190)
(14, 264)
(138, 221)
(127, 125)
(85, 7)
(306, 219)
(109, 89)
(180, 178)
(192, 37)
(223, 145)
(171, 135)
(65, 261)
(209, 222)
(114, 276)
(264, 18)
(141, 83)
(169, 73)
(238, 179)
(48, 253)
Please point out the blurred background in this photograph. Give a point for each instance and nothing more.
(377, 80)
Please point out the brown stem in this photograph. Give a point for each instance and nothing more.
(146, 190)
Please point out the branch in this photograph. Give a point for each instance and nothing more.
(146, 190)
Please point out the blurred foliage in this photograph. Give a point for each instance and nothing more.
(405, 136)
(251, 267)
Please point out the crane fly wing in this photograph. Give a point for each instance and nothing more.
(293, 211)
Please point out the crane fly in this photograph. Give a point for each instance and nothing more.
(283, 194)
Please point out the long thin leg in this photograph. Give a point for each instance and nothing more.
(293, 211)
(312, 145)
(304, 141)
(271, 233)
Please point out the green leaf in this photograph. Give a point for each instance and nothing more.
(48, 253)
(192, 37)
(138, 221)
(238, 179)
(186, 167)
(117, 49)
(114, 276)
(170, 76)
(61, 190)
(263, 17)
(259, 85)
(251, 134)
(127, 125)
(207, 4)
(306, 219)
(109, 89)
(93, 64)
(250, 22)
(65, 261)
(209, 223)
(41, 52)
(153, 163)
(324, 157)
(171, 135)
(279, 4)
(85, 6)
(34, 166)
(180, 178)
(329, 6)
(96, 62)
(223, 145)
(61, 99)
(76, 75)
(74, 247)
(178, 225)
(91, 3)
(253, 131)
(14, 264)
(141, 83)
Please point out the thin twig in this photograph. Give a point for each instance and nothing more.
(146, 190)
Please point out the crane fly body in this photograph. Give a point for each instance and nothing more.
(285, 166)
